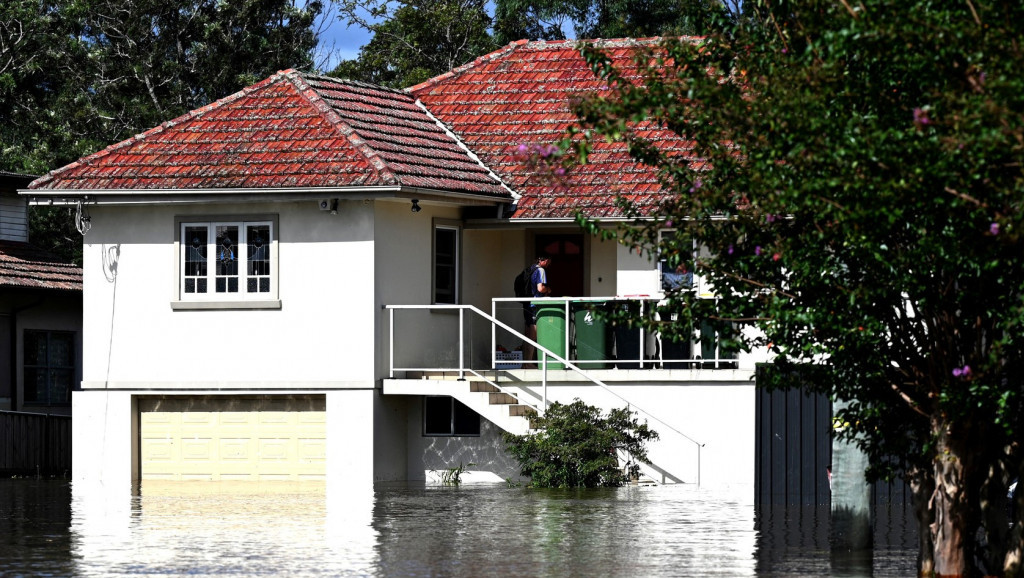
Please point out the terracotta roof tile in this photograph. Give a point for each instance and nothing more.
(521, 95)
(24, 265)
(290, 130)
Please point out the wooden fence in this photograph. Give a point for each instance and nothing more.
(35, 444)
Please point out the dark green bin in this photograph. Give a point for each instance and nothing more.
(551, 330)
(592, 342)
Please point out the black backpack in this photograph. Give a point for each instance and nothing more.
(522, 282)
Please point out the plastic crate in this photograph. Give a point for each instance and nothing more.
(508, 359)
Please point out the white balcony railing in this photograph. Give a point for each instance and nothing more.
(418, 344)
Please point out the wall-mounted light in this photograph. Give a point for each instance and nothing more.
(329, 205)
(416, 206)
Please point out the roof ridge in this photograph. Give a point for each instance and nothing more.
(373, 158)
(276, 77)
(535, 45)
(500, 53)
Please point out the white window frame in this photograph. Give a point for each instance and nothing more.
(442, 225)
(700, 285)
(211, 299)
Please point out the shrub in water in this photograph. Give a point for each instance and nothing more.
(577, 447)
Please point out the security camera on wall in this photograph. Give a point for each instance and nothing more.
(329, 205)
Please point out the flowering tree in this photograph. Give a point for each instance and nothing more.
(862, 209)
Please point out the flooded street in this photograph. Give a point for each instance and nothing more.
(210, 529)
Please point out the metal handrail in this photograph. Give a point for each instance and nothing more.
(715, 362)
(545, 353)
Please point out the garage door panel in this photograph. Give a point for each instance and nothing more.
(256, 438)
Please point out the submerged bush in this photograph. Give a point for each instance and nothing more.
(576, 447)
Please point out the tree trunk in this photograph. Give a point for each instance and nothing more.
(922, 486)
(949, 506)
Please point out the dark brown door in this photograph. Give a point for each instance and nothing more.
(565, 275)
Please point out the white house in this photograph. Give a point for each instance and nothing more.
(308, 280)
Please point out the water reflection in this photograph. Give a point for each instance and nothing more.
(199, 529)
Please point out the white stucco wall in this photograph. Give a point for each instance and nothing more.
(321, 336)
(429, 456)
(636, 274)
(103, 439)
(719, 415)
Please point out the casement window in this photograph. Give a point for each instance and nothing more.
(675, 265)
(447, 416)
(686, 252)
(49, 367)
(227, 263)
(446, 264)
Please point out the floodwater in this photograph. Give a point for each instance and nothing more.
(218, 529)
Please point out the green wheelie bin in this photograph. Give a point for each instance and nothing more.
(591, 335)
(551, 327)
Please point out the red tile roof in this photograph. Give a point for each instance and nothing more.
(520, 95)
(291, 130)
(23, 265)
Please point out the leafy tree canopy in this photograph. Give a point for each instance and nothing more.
(547, 19)
(78, 75)
(577, 447)
(862, 210)
(415, 40)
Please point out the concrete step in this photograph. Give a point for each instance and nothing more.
(523, 410)
(498, 398)
(478, 386)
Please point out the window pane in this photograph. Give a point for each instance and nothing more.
(467, 421)
(227, 258)
(437, 416)
(35, 347)
(60, 386)
(676, 262)
(62, 350)
(258, 257)
(194, 244)
(445, 264)
(35, 384)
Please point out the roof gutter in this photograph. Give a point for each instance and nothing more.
(70, 197)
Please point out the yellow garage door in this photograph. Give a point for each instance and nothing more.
(233, 438)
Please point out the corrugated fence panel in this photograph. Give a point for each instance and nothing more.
(793, 451)
(34, 444)
(793, 448)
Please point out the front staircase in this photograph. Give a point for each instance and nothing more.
(500, 408)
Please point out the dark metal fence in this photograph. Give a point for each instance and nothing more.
(34, 444)
(793, 450)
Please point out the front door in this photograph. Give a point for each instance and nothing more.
(565, 275)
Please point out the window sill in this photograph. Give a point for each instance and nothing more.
(224, 305)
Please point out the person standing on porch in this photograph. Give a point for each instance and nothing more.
(538, 288)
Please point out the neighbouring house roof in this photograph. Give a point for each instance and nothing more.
(289, 131)
(25, 266)
(521, 95)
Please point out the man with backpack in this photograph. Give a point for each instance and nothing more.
(532, 282)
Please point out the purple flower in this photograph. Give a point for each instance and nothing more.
(921, 117)
(769, 218)
(757, 250)
(730, 249)
(962, 371)
(697, 184)
(668, 223)
(522, 149)
(993, 229)
(957, 372)
(560, 171)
